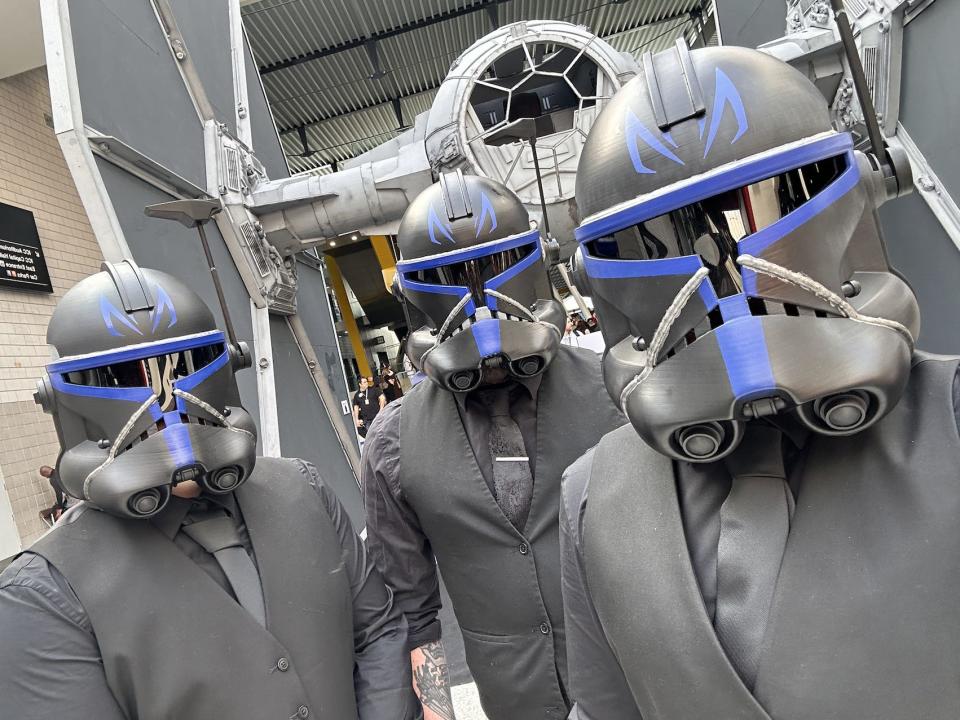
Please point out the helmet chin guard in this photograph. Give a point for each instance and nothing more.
(143, 394)
(522, 347)
(732, 251)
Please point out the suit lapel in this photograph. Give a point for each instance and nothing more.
(635, 549)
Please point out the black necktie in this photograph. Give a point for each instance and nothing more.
(512, 479)
(754, 524)
(218, 536)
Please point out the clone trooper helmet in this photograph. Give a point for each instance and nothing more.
(143, 393)
(471, 263)
(731, 247)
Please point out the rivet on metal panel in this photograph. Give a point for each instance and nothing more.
(926, 183)
(263, 363)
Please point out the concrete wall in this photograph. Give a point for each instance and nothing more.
(33, 176)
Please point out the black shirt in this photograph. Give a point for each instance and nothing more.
(50, 665)
(394, 537)
(369, 403)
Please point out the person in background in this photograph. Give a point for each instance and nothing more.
(368, 401)
(51, 514)
(463, 471)
(390, 383)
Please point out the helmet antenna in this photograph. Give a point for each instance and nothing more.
(196, 213)
(525, 128)
(890, 167)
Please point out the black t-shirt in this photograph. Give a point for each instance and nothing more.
(369, 403)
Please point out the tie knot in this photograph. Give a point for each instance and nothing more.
(495, 400)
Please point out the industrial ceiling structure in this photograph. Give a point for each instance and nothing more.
(344, 76)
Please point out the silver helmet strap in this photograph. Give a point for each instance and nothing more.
(764, 267)
(807, 283)
(117, 443)
(212, 410)
(663, 331)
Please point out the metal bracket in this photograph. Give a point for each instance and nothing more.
(929, 186)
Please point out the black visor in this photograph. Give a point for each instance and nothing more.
(147, 372)
(712, 227)
(473, 274)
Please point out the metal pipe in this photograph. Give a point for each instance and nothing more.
(536, 168)
(216, 284)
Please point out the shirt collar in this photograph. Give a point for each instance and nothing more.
(169, 520)
(530, 384)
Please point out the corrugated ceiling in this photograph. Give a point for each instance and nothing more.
(345, 113)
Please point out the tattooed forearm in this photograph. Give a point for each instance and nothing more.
(431, 680)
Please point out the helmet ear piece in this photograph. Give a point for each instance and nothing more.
(551, 251)
(44, 395)
(240, 357)
(578, 274)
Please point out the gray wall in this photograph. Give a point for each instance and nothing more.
(929, 107)
(130, 88)
(749, 23)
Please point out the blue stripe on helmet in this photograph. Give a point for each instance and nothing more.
(734, 178)
(685, 265)
(193, 379)
(141, 351)
(456, 290)
(486, 333)
(177, 437)
(759, 241)
(744, 350)
(127, 394)
(511, 272)
(470, 253)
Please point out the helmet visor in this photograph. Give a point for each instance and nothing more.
(474, 274)
(711, 228)
(149, 371)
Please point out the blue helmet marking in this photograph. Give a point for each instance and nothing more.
(637, 131)
(163, 303)
(110, 314)
(486, 334)
(744, 349)
(434, 224)
(177, 437)
(725, 94)
(486, 212)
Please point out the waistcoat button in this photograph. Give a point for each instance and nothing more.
(283, 664)
(303, 711)
(544, 628)
(524, 549)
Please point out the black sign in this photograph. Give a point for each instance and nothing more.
(21, 257)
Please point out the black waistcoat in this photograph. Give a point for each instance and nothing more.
(865, 621)
(175, 645)
(504, 584)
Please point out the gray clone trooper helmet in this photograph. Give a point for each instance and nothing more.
(471, 263)
(731, 247)
(143, 393)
